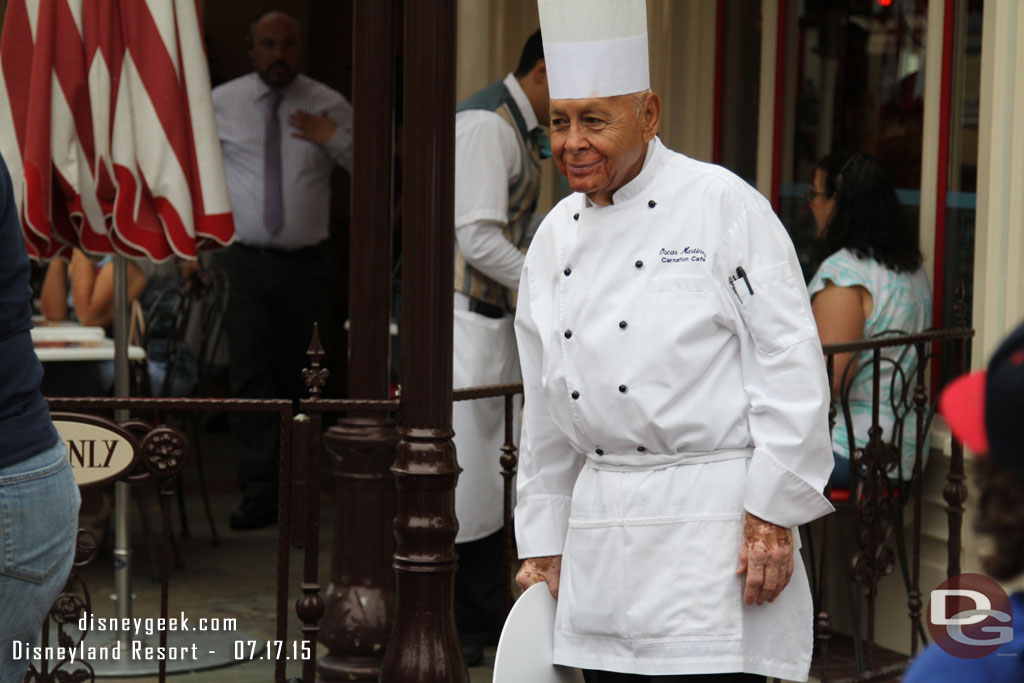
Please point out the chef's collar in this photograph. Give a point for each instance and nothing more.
(653, 161)
(522, 101)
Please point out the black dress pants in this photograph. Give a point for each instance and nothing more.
(274, 297)
(613, 677)
(479, 598)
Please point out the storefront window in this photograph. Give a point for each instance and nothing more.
(741, 64)
(859, 86)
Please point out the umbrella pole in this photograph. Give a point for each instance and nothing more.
(122, 493)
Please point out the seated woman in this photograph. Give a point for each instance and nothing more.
(84, 291)
(872, 282)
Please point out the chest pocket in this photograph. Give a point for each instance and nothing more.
(675, 291)
(777, 314)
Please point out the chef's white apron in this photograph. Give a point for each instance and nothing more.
(484, 352)
(676, 604)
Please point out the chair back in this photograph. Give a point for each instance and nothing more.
(166, 324)
(892, 377)
(212, 306)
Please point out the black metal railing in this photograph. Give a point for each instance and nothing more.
(877, 499)
(164, 452)
(880, 487)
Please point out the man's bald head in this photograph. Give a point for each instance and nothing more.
(274, 48)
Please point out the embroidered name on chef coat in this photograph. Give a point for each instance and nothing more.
(686, 254)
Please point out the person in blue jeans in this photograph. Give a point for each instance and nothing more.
(38, 496)
(983, 410)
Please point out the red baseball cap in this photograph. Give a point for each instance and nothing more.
(985, 409)
(963, 405)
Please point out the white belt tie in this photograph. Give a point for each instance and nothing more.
(646, 462)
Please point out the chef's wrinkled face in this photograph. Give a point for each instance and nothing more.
(275, 49)
(599, 144)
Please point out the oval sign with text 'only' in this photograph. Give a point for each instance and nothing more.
(99, 450)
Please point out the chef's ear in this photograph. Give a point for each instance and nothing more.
(650, 115)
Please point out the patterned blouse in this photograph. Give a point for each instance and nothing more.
(902, 303)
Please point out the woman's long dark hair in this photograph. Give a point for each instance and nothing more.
(868, 218)
(832, 164)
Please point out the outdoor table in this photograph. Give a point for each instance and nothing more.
(68, 341)
(68, 333)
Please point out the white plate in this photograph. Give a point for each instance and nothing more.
(525, 648)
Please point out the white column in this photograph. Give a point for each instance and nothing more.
(766, 106)
(474, 53)
(930, 138)
(999, 235)
(681, 37)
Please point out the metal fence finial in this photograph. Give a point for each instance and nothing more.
(315, 376)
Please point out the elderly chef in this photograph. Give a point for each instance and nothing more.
(675, 427)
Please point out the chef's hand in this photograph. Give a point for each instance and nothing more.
(767, 557)
(537, 569)
(318, 129)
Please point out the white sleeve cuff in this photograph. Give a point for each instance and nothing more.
(778, 495)
(541, 525)
(339, 147)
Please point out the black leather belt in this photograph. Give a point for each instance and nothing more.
(486, 309)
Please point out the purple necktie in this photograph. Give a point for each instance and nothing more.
(272, 204)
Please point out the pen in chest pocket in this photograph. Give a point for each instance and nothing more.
(740, 275)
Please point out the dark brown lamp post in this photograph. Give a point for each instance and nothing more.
(360, 598)
(424, 647)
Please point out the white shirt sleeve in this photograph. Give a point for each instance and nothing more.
(548, 463)
(339, 146)
(486, 248)
(486, 164)
(783, 372)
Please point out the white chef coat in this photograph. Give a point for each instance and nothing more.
(663, 400)
(487, 164)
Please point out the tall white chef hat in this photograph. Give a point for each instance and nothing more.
(594, 48)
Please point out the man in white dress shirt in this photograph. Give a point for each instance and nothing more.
(282, 134)
(675, 427)
(499, 143)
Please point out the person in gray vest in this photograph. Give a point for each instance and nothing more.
(499, 144)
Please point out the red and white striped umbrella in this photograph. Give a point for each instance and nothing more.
(107, 126)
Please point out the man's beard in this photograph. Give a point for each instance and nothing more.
(278, 75)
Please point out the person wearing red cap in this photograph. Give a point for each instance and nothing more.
(984, 411)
